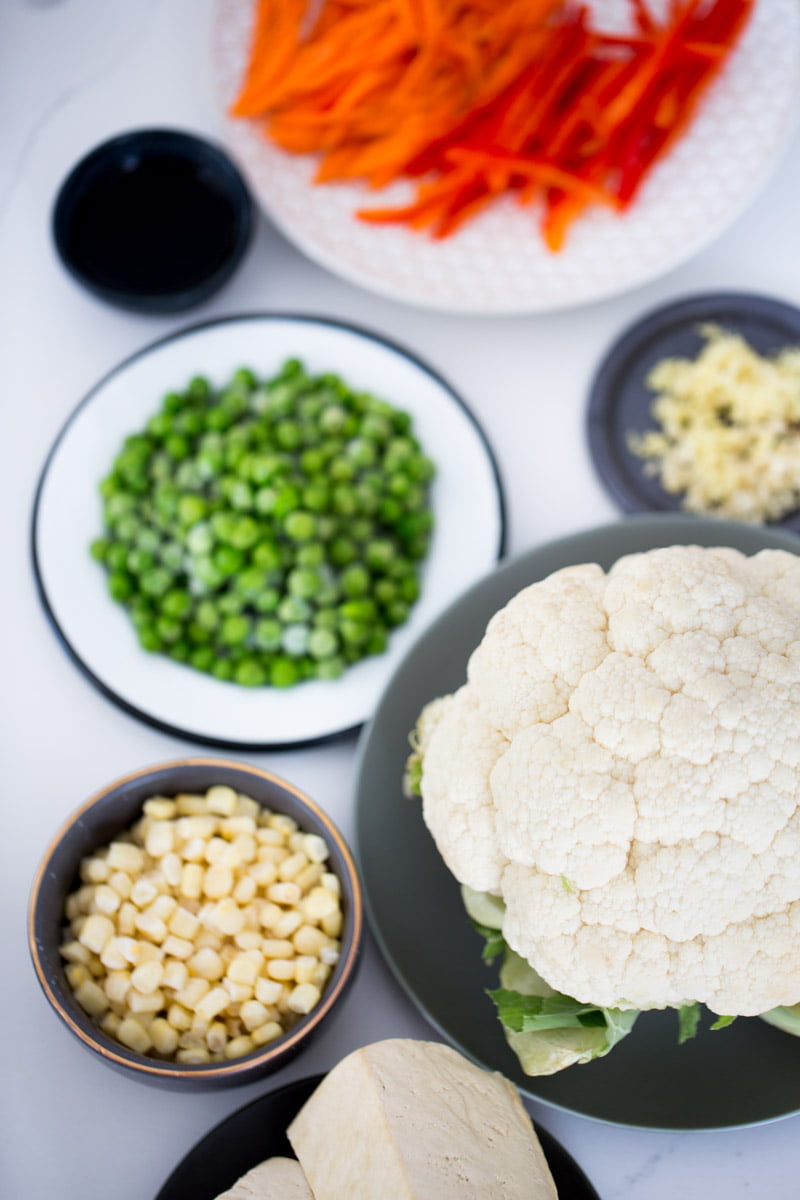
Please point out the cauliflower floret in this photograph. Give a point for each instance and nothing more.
(622, 768)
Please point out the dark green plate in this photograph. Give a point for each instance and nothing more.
(746, 1074)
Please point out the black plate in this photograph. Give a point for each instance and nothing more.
(746, 1074)
(258, 1131)
(620, 401)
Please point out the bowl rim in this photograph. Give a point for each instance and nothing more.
(116, 1054)
(184, 144)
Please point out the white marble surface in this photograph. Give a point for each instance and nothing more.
(71, 73)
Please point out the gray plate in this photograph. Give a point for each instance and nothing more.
(746, 1074)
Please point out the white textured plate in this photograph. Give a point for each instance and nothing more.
(498, 263)
(466, 497)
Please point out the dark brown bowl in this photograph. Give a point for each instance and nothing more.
(114, 809)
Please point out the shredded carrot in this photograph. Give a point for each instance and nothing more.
(476, 99)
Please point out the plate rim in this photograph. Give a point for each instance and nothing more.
(641, 520)
(305, 1085)
(344, 325)
(689, 308)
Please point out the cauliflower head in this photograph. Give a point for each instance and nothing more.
(622, 769)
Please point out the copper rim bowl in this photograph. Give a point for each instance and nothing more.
(115, 808)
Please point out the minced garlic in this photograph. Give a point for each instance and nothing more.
(729, 436)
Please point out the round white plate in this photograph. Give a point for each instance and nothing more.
(466, 497)
(498, 263)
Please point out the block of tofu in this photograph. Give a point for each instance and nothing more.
(415, 1120)
(275, 1179)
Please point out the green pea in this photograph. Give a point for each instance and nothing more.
(283, 672)
(250, 673)
(234, 630)
(300, 526)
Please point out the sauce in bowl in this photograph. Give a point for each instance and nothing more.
(155, 220)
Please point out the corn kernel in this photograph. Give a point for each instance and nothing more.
(191, 995)
(214, 850)
(238, 992)
(246, 967)
(332, 924)
(96, 931)
(248, 939)
(183, 923)
(179, 1017)
(122, 883)
(175, 974)
(95, 870)
(236, 1047)
(153, 1002)
(253, 1013)
(245, 889)
(113, 955)
(124, 856)
(284, 893)
(134, 1035)
(266, 1033)
(152, 927)
(315, 847)
(282, 822)
(106, 899)
(280, 968)
(189, 803)
(287, 923)
(305, 968)
(77, 973)
(191, 884)
(227, 916)
(164, 1037)
(193, 1055)
(110, 1023)
(160, 839)
(268, 991)
(171, 868)
(74, 952)
(160, 808)
(147, 977)
(163, 906)
(207, 964)
(303, 998)
(217, 1036)
(221, 800)
(217, 882)
(143, 892)
(320, 902)
(309, 876)
(277, 948)
(177, 947)
(126, 919)
(212, 1004)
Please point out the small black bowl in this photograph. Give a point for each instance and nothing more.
(154, 220)
(111, 811)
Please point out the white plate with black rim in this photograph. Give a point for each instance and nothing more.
(466, 497)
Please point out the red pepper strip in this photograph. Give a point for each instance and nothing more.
(686, 95)
(558, 218)
(530, 169)
(723, 21)
(643, 18)
(628, 98)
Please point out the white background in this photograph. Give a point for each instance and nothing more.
(73, 72)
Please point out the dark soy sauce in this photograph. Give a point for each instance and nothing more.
(152, 223)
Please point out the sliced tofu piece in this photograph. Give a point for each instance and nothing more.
(415, 1120)
(275, 1179)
